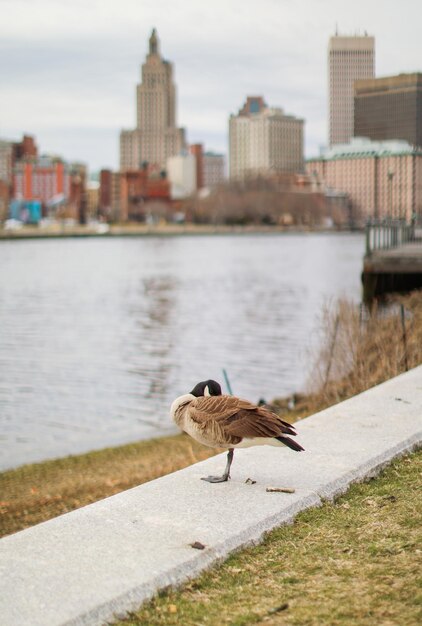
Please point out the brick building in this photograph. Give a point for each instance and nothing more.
(46, 180)
(382, 179)
(59, 186)
(128, 196)
(25, 149)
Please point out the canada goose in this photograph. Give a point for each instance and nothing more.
(221, 421)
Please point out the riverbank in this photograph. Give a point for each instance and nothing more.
(58, 230)
(359, 352)
(106, 559)
(40, 491)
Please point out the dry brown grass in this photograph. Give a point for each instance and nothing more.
(362, 348)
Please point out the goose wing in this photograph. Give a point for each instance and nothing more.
(216, 408)
(239, 418)
(257, 422)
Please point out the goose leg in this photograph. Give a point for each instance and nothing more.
(226, 475)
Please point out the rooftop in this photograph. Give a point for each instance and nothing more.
(364, 147)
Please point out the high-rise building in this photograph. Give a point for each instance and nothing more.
(156, 137)
(264, 140)
(390, 108)
(349, 59)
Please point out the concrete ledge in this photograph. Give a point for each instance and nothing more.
(100, 561)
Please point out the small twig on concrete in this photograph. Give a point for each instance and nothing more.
(280, 490)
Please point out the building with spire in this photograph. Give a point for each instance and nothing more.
(349, 58)
(156, 136)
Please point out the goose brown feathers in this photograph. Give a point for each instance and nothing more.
(237, 418)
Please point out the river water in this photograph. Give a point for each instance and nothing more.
(97, 336)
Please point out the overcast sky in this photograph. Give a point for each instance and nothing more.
(69, 68)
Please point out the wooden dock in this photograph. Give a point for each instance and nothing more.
(393, 260)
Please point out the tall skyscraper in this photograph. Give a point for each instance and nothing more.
(349, 59)
(263, 140)
(156, 136)
(390, 108)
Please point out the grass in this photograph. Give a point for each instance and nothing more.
(357, 562)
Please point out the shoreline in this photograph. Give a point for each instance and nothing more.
(87, 451)
(59, 231)
(281, 404)
(37, 492)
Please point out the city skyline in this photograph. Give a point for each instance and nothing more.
(69, 73)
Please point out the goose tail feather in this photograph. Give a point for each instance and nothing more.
(290, 443)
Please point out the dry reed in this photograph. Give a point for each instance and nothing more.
(363, 347)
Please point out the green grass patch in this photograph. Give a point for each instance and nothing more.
(355, 561)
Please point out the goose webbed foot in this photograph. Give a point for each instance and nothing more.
(225, 477)
(216, 479)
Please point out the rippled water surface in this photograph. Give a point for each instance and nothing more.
(97, 336)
